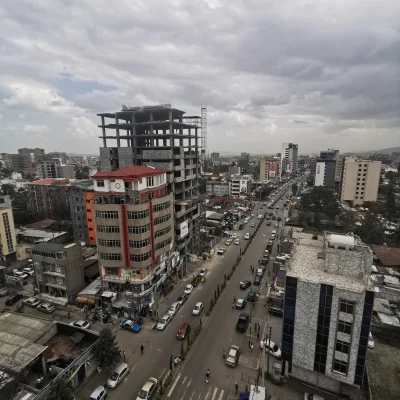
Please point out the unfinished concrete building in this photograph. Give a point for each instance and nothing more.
(159, 136)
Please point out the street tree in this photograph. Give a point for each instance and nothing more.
(59, 391)
(294, 189)
(106, 350)
(347, 221)
(371, 231)
(305, 218)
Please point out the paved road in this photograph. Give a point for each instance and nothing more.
(216, 335)
(219, 333)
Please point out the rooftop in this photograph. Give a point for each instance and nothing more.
(92, 289)
(19, 335)
(388, 256)
(39, 235)
(132, 173)
(312, 262)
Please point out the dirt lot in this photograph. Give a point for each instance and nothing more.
(384, 371)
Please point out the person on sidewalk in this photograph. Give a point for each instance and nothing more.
(141, 349)
(124, 355)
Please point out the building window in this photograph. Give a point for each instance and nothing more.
(159, 246)
(108, 229)
(89, 219)
(135, 230)
(140, 257)
(150, 181)
(137, 244)
(343, 347)
(107, 214)
(161, 220)
(344, 327)
(111, 256)
(340, 366)
(288, 318)
(109, 243)
(88, 210)
(162, 206)
(324, 319)
(347, 306)
(90, 229)
(138, 214)
(100, 183)
(162, 232)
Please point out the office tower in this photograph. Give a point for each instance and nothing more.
(269, 168)
(328, 169)
(8, 241)
(214, 158)
(289, 155)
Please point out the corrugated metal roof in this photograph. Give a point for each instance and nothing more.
(388, 256)
(132, 172)
(51, 248)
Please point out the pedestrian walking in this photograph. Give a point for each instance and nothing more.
(249, 345)
(124, 355)
(236, 387)
(258, 335)
(246, 389)
(141, 349)
(233, 306)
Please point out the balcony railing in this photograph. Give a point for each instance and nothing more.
(131, 279)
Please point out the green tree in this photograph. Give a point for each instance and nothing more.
(371, 231)
(390, 205)
(347, 221)
(317, 220)
(106, 350)
(294, 189)
(305, 218)
(59, 391)
(8, 189)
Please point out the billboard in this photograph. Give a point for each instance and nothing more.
(272, 169)
(184, 228)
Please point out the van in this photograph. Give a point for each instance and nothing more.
(119, 374)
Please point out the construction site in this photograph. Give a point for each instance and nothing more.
(162, 137)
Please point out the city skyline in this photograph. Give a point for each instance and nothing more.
(261, 86)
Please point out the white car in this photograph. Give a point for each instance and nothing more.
(247, 236)
(371, 342)
(81, 324)
(31, 302)
(20, 274)
(274, 349)
(174, 308)
(163, 322)
(234, 235)
(188, 289)
(46, 307)
(221, 250)
(237, 241)
(148, 389)
(197, 308)
(28, 270)
(203, 272)
(252, 225)
(259, 216)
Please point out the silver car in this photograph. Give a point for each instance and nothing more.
(174, 308)
(46, 308)
(164, 322)
(119, 374)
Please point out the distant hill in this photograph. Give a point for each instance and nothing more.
(389, 150)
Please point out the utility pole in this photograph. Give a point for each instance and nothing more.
(269, 342)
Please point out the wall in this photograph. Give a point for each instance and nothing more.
(90, 219)
(372, 182)
(6, 215)
(76, 202)
(319, 174)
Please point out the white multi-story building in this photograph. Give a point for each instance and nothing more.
(289, 155)
(360, 180)
(218, 187)
(327, 313)
(240, 186)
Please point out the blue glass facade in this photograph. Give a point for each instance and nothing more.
(289, 312)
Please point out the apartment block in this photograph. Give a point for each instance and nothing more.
(215, 158)
(8, 241)
(60, 155)
(241, 186)
(53, 168)
(30, 159)
(159, 136)
(360, 180)
(58, 271)
(328, 169)
(244, 160)
(134, 217)
(289, 158)
(269, 168)
(218, 187)
(327, 313)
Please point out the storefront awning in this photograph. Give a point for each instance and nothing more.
(84, 300)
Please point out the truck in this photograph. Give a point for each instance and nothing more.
(243, 322)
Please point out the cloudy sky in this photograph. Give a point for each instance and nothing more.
(314, 72)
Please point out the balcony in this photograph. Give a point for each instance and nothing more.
(131, 279)
(54, 285)
(54, 273)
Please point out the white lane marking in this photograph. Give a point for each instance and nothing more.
(186, 389)
(208, 394)
(214, 394)
(173, 386)
(184, 380)
(201, 391)
(221, 395)
(162, 373)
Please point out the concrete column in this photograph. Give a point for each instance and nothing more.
(44, 367)
(104, 132)
(170, 115)
(117, 130)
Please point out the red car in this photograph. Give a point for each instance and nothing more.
(183, 331)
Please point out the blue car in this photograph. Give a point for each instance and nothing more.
(132, 326)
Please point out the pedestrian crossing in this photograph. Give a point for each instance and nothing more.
(187, 388)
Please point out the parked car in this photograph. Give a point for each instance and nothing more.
(46, 308)
(270, 346)
(243, 322)
(203, 272)
(13, 299)
(174, 308)
(265, 259)
(121, 371)
(228, 242)
(252, 225)
(163, 322)
(182, 298)
(257, 280)
(99, 393)
(269, 223)
(240, 304)
(183, 331)
(232, 357)
(3, 292)
(244, 285)
(221, 250)
(277, 207)
(237, 241)
(252, 296)
(31, 302)
(197, 309)
(188, 289)
(81, 324)
(196, 280)
(234, 235)
(28, 270)
(247, 236)
(148, 389)
(276, 225)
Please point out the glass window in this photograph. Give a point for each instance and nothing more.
(345, 327)
(340, 366)
(347, 306)
(100, 183)
(138, 214)
(136, 230)
(343, 347)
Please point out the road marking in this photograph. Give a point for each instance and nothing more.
(186, 389)
(214, 394)
(222, 395)
(162, 373)
(208, 393)
(174, 384)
